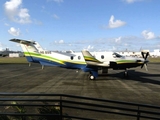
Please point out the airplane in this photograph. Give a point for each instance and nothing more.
(87, 61)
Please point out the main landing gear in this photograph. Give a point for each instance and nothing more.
(30, 65)
(42, 67)
(91, 77)
(94, 74)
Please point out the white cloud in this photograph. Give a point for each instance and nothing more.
(148, 35)
(118, 40)
(27, 31)
(24, 16)
(16, 13)
(37, 22)
(60, 41)
(113, 48)
(125, 44)
(89, 47)
(115, 23)
(57, 1)
(1, 46)
(6, 24)
(14, 32)
(132, 1)
(55, 16)
(12, 4)
(43, 7)
(1, 20)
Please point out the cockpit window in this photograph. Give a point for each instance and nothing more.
(117, 55)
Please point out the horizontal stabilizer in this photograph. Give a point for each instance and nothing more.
(28, 47)
(22, 41)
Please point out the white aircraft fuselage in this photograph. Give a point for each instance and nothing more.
(86, 61)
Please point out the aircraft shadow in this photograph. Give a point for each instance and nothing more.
(133, 75)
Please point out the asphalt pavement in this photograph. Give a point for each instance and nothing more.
(140, 86)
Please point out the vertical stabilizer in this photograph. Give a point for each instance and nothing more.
(28, 48)
(39, 48)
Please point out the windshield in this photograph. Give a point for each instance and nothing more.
(117, 55)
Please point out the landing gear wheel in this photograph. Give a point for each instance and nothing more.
(125, 73)
(91, 77)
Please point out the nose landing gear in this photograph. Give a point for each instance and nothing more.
(126, 73)
(91, 77)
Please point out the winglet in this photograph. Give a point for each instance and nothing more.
(90, 59)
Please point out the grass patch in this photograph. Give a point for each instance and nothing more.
(154, 60)
(13, 60)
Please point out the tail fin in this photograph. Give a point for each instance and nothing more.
(39, 48)
(28, 47)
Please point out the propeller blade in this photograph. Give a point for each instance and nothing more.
(142, 53)
(146, 55)
(145, 65)
(145, 60)
(142, 66)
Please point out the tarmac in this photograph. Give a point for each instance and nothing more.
(139, 87)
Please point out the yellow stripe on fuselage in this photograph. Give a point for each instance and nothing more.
(88, 58)
(37, 55)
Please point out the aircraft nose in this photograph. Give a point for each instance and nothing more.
(139, 61)
(143, 60)
(146, 61)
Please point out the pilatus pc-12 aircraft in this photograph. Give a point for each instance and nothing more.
(86, 61)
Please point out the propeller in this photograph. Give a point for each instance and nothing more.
(145, 60)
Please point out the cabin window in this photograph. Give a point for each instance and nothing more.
(71, 57)
(102, 56)
(79, 57)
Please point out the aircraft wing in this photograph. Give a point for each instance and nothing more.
(22, 41)
(91, 60)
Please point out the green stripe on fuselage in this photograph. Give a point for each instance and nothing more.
(37, 55)
(127, 61)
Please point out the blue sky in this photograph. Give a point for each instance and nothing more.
(96, 25)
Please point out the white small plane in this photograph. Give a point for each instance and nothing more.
(86, 61)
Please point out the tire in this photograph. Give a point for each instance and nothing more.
(91, 77)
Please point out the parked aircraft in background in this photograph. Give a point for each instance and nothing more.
(8, 53)
(86, 61)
